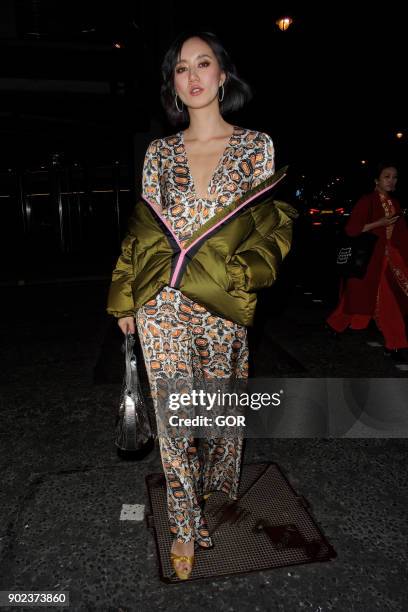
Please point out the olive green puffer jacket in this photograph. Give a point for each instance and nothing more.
(235, 253)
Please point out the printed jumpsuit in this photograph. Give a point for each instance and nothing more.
(180, 337)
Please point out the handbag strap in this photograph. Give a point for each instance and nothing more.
(129, 355)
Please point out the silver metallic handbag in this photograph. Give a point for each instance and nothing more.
(133, 431)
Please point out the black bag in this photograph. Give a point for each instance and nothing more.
(354, 254)
(133, 431)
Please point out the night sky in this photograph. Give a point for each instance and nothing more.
(329, 90)
(332, 85)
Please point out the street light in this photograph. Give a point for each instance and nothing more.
(283, 23)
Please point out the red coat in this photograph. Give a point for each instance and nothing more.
(361, 294)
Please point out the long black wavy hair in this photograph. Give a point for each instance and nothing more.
(237, 92)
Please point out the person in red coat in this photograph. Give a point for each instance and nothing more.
(382, 294)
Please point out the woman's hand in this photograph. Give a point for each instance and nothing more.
(383, 222)
(387, 220)
(127, 325)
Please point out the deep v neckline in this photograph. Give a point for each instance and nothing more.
(220, 161)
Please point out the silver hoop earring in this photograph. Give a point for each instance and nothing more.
(222, 96)
(180, 110)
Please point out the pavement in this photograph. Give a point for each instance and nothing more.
(71, 507)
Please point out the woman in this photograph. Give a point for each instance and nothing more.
(195, 254)
(382, 294)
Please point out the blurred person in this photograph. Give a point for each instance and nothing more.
(382, 294)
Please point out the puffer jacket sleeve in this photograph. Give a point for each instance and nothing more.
(120, 298)
(256, 263)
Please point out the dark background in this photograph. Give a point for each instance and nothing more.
(80, 101)
(76, 116)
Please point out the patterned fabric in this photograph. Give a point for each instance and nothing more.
(181, 340)
(389, 211)
(394, 259)
(388, 315)
(179, 337)
(247, 160)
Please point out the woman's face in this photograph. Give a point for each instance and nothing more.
(197, 74)
(387, 180)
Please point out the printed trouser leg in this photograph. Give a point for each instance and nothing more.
(167, 354)
(218, 357)
(180, 340)
(181, 465)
